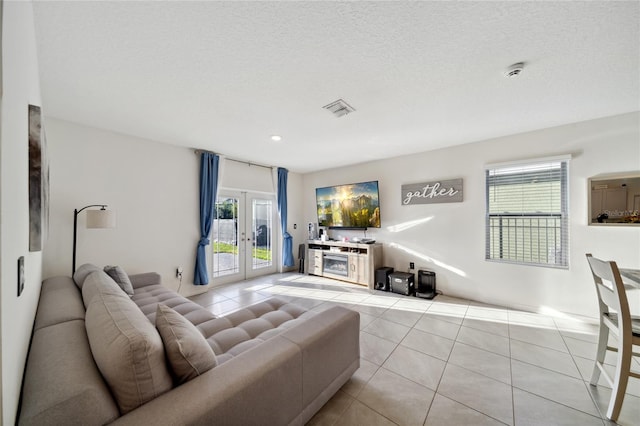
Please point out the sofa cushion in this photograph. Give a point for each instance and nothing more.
(144, 279)
(60, 301)
(125, 345)
(61, 378)
(83, 272)
(242, 330)
(148, 297)
(120, 277)
(187, 350)
(90, 286)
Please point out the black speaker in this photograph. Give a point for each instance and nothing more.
(402, 283)
(382, 278)
(426, 284)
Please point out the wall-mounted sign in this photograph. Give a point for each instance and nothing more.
(441, 191)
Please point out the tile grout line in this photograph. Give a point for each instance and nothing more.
(458, 402)
(513, 397)
(443, 372)
(556, 372)
(584, 382)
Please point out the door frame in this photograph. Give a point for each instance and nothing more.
(245, 236)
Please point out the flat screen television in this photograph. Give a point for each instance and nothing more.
(355, 206)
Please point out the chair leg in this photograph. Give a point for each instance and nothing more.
(620, 379)
(603, 340)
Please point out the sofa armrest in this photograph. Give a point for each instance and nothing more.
(330, 345)
(145, 279)
(258, 387)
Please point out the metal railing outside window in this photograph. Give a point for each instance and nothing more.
(527, 213)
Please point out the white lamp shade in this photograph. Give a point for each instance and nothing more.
(101, 219)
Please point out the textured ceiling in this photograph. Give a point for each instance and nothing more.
(225, 76)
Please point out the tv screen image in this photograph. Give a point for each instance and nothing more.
(355, 205)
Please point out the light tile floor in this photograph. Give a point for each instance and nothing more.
(449, 361)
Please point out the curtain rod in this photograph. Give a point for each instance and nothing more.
(249, 163)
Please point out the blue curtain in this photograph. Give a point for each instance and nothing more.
(208, 189)
(287, 244)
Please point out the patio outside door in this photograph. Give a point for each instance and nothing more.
(242, 236)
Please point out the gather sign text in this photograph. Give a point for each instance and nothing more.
(446, 191)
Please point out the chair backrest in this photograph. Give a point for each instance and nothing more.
(610, 289)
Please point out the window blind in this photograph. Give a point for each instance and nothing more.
(527, 213)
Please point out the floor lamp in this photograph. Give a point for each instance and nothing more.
(102, 218)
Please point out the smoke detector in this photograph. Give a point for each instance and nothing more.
(514, 70)
(339, 108)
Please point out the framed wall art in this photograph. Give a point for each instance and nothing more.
(38, 181)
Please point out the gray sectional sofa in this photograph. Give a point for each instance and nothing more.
(96, 357)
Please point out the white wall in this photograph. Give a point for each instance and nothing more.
(452, 240)
(152, 187)
(20, 88)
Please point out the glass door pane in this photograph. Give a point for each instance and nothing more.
(224, 237)
(260, 259)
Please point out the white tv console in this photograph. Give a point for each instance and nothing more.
(346, 261)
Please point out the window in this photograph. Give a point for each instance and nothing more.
(527, 213)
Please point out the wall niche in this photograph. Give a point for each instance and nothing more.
(614, 199)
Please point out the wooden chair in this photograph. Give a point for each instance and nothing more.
(615, 317)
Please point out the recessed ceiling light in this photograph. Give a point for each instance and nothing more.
(276, 138)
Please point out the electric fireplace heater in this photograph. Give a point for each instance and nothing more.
(336, 264)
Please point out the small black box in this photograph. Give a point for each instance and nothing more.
(426, 284)
(382, 278)
(402, 283)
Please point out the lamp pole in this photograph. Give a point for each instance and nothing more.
(75, 230)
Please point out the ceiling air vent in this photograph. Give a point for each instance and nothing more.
(339, 108)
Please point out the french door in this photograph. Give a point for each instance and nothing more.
(243, 236)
